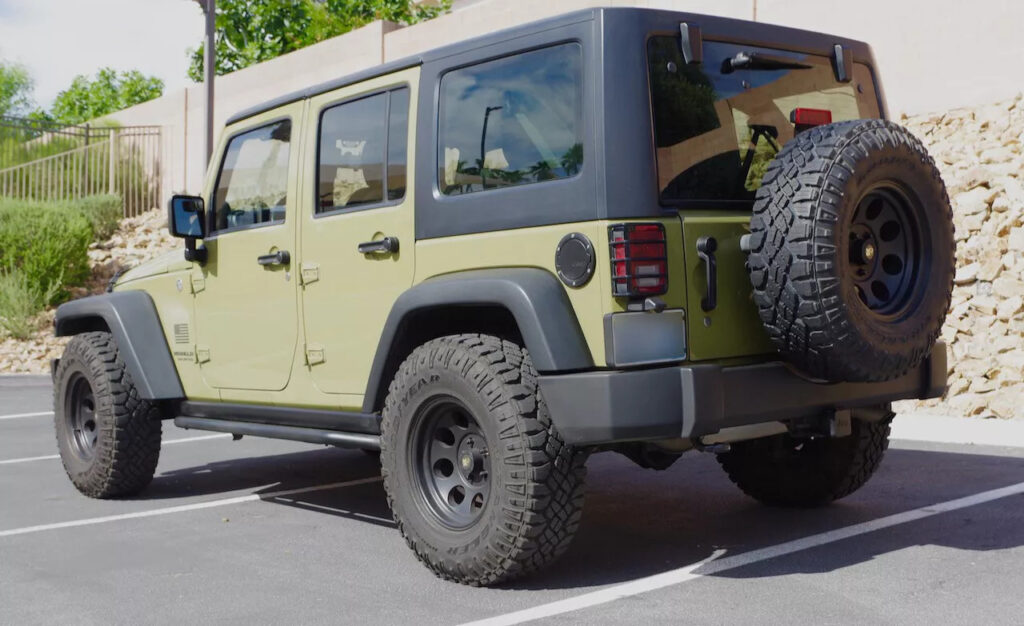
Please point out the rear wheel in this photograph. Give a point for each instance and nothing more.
(108, 437)
(478, 478)
(784, 470)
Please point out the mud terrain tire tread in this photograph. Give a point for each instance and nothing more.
(128, 446)
(773, 472)
(535, 514)
(799, 290)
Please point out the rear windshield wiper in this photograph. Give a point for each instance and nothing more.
(757, 61)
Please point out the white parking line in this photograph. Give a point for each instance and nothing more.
(209, 504)
(199, 438)
(26, 459)
(50, 457)
(714, 565)
(21, 415)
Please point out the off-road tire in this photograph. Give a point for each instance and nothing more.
(127, 428)
(802, 240)
(785, 471)
(536, 495)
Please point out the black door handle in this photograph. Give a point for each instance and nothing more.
(706, 247)
(281, 257)
(387, 245)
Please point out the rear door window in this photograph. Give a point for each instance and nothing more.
(360, 140)
(718, 124)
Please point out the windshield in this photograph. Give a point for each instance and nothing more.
(719, 123)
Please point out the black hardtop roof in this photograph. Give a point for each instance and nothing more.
(713, 26)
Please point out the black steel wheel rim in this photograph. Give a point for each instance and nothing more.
(452, 462)
(885, 251)
(80, 413)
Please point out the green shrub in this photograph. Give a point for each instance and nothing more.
(104, 211)
(21, 299)
(46, 243)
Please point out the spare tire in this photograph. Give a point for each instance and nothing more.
(852, 251)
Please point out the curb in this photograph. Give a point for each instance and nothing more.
(8, 381)
(960, 430)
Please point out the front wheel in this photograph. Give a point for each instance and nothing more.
(478, 478)
(109, 437)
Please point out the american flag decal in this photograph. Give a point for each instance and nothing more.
(181, 333)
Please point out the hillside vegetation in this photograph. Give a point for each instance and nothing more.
(44, 251)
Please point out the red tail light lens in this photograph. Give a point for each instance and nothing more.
(639, 259)
(811, 117)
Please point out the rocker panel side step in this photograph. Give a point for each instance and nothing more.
(275, 431)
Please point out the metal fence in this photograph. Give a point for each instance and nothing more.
(43, 161)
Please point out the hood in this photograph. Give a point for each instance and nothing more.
(170, 262)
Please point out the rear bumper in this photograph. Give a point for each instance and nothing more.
(696, 400)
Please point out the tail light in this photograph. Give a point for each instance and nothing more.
(807, 118)
(639, 259)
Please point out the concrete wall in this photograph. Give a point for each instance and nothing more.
(933, 55)
(182, 113)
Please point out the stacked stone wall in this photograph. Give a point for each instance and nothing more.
(980, 152)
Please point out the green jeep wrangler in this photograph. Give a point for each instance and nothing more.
(615, 230)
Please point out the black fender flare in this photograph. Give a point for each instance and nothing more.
(534, 297)
(132, 319)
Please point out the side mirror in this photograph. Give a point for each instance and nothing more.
(186, 217)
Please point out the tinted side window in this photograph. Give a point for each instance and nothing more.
(252, 187)
(512, 121)
(398, 142)
(354, 151)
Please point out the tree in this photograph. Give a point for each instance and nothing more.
(253, 31)
(15, 89)
(111, 91)
(572, 160)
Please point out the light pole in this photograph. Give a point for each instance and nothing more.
(483, 145)
(209, 64)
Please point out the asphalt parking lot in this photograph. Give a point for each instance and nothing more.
(262, 531)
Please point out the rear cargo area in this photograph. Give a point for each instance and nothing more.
(718, 123)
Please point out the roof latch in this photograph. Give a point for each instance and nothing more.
(693, 43)
(842, 63)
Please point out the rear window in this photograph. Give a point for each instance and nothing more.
(718, 124)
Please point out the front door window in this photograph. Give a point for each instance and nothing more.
(252, 187)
